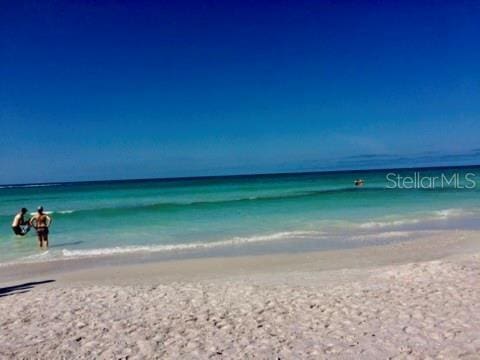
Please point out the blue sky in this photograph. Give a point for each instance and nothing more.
(123, 89)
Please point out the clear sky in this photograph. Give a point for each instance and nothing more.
(131, 89)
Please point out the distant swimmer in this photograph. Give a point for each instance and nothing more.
(20, 226)
(41, 222)
(359, 182)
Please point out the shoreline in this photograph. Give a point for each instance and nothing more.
(369, 233)
(432, 245)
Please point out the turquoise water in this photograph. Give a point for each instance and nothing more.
(112, 217)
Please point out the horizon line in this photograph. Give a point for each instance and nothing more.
(260, 174)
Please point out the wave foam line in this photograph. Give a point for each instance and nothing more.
(63, 212)
(193, 246)
(436, 215)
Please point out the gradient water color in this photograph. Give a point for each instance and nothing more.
(172, 215)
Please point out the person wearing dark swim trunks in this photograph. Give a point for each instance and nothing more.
(19, 225)
(41, 222)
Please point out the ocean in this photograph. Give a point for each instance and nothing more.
(240, 214)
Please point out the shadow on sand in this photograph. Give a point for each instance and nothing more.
(21, 288)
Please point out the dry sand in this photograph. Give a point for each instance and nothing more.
(418, 299)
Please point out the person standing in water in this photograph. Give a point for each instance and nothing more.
(41, 222)
(19, 225)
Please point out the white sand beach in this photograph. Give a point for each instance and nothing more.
(411, 300)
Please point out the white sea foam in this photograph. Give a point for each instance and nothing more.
(43, 256)
(435, 215)
(449, 213)
(382, 224)
(192, 246)
(63, 212)
(45, 212)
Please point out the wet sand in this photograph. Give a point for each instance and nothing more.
(415, 299)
